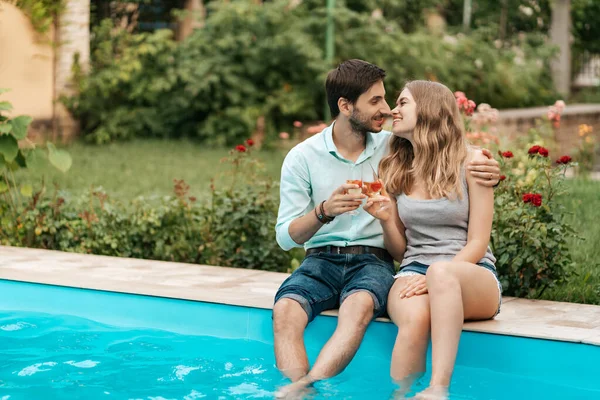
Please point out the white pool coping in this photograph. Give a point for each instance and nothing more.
(579, 323)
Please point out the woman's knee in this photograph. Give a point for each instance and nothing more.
(416, 320)
(411, 314)
(440, 275)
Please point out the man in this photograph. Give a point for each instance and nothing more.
(346, 264)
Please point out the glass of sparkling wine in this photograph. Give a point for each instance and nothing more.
(356, 176)
(372, 186)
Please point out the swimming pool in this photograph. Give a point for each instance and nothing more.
(63, 343)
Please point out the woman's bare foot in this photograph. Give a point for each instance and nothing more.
(433, 393)
(295, 391)
(405, 386)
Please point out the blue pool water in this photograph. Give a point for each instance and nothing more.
(61, 343)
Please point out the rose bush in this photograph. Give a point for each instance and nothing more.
(529, 233)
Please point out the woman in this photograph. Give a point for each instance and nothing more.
(439, 226)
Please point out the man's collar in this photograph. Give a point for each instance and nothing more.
(371, 144)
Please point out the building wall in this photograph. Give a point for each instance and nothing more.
(26, 65)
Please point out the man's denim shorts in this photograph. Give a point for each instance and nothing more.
(416, 268)
(324, 280)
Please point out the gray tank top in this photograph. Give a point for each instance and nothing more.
(436, 230)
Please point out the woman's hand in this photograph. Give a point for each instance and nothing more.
(379, 207)
(415, 285)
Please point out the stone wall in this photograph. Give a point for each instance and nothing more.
(515, 121)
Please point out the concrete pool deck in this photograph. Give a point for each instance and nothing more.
(570, 322)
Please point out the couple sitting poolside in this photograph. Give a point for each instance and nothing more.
(434, 216)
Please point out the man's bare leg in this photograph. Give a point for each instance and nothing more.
(289, 323)
(354, 317)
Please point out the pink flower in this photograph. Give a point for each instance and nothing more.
(458, 94)
(298, 124)
(284, 135)
(316, 128)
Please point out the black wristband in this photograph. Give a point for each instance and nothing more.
(321, 216)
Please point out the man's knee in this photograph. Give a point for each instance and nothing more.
(357, 308)
(288, 314)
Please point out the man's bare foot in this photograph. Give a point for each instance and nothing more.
(433, 393)
(295, 391)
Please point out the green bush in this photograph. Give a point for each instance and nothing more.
(252, 61)
(125, 94)
(235, 229)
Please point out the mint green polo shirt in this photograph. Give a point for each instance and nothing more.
(311, 171)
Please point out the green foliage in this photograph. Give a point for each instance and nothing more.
(124, 96)
(240, 220)
(586, 30)
(583, 203)
(235, 228)
(531, 240)
(251, 62)
(14, 157)
(41, 12)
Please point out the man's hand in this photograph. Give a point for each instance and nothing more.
(341, 201)
(487, 172)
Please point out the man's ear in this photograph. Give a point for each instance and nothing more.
(345, 106)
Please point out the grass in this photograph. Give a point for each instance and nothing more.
(144, 168)
(147, 168)
(583, 201)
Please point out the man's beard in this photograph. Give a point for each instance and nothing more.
(360, 124)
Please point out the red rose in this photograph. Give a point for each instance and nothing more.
(534, 149)
(564, 160)
(502, 177)
(543, 152)
(250, 142)
(536, 200)
(507, 154)
(527, 197)
(241, 148)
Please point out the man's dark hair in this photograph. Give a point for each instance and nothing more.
(349, 80)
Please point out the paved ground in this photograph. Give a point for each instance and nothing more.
(242, 287)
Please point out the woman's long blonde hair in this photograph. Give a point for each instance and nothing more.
(440, 148)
